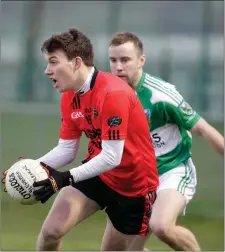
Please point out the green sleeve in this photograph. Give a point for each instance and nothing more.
(183, 115)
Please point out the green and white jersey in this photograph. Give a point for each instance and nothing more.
(170, 120)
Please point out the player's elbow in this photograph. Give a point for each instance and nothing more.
(112, 159)
(71, 157)
(116, 162)
(201, 128)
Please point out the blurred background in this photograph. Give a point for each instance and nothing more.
(183, 42)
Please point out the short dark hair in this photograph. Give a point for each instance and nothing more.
(74, 43)
(124, 37)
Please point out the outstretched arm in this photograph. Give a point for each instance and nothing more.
(210, 134)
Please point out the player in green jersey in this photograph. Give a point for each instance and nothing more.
(172, 121)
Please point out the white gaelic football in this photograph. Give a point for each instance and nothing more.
(20, 179)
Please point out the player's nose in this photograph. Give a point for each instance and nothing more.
(119, 67)
(48, 71)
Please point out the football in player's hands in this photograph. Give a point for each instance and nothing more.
(19, 179)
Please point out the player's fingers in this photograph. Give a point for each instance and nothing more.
(5, 190)
(5, 172)
(39, 197)
(46, 197)
(3, 180)
(41, 191)
(20, 158)
(46, 194)
(41, 183)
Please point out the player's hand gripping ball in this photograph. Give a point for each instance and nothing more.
(20, 178)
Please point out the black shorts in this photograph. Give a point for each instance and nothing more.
(129, 215)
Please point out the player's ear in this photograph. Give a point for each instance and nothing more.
(142, 61)
(76, 63)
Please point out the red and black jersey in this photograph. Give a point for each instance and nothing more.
(110, 110)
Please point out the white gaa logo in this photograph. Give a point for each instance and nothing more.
(76, 115)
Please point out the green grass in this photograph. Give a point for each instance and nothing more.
(33, 136)
(21, 225)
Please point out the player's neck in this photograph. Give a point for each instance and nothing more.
(86, 80)
(137, 79)
(85, 75)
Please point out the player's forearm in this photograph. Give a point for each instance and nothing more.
(63, 154)
(214, 138)
(109, 158)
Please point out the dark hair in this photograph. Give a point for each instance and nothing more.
(124, 37)
(73, 43)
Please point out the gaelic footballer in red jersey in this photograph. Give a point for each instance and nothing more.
(119, 172)
(110, 110)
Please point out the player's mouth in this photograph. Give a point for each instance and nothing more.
(54, 82)
(122, 77)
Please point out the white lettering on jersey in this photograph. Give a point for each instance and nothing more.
(165, 139)
(76, 115)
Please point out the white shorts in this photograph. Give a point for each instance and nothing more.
(183, 178)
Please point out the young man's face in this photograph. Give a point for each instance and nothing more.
(60, 70)
(126, 61)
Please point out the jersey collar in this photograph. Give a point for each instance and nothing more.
(94, 76)
(140, 83)
(89, 83)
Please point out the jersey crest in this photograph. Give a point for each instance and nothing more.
(186, 108)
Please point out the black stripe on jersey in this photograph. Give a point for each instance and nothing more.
(118, 134)
(76, 102)
(93, 78)
(114, 134)
(110, 137)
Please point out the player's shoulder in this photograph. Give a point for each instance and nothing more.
(109, 78)
(161, 90)
(113, 84)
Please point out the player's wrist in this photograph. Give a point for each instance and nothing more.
(67, 178)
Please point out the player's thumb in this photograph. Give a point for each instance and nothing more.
(47, 168)
(5, 172)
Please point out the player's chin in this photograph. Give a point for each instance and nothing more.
(60, 89)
